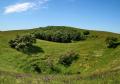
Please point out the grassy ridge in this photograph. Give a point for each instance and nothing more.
(95, 59)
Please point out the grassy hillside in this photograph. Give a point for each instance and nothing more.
(96, 63)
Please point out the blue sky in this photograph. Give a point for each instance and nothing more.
(101, 15)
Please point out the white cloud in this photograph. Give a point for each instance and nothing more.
(18, 7)
(40, 3)
(21, 7)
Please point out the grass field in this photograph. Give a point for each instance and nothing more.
(97, 64)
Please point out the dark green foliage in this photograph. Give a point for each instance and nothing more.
(112, 42)
(55, 69)
(86, 32)
(36, 68)
(32, 65)
(33, 50)
(22, 43)
(67, 58)
(39, 65)
(59, 34)
(52, 68)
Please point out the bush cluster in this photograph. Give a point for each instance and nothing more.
(22, 42)
(67, 58)
(112, 42)
(59, 34)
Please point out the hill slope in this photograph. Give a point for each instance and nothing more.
(94, 58)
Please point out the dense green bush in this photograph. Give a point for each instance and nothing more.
(86, 32)
(59, 34)
(67, 58)
(36, 68)
(112, 42)
(56, 36)
(22, 42)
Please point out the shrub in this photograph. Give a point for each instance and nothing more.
(112, 42)
(67, 58)
(32, 65)
(55, 69)
(86, 32)
(22, 42)
(36, 68)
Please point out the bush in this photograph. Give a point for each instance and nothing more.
(67, 58)
(86, 32)
(22, 42)
(31, 65)
(36, 68)
(55, 69)
(112, 42)
(59, 34)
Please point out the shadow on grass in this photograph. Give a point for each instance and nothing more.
(32, 50)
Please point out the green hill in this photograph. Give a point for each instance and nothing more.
(96, 63)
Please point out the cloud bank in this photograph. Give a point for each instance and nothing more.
(25, 6)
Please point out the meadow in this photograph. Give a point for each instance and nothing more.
(97, 64)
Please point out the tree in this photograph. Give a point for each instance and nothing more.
(75, 36)
(60, 34)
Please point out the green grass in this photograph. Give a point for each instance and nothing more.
(96, 64)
